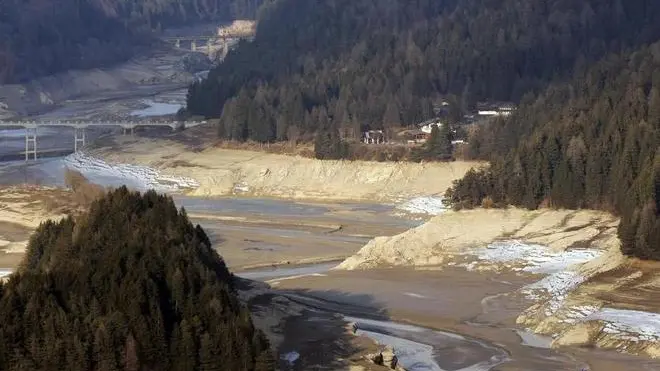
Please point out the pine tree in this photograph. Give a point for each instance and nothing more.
(114, 305)
(654, 107)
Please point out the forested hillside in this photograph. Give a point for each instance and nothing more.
(348, 64)
(41, 37)
(132, 285)
(590, 143)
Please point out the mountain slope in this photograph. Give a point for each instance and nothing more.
(590, 143)
(41, 37)
(375, 63)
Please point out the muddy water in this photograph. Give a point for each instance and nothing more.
(451, 299)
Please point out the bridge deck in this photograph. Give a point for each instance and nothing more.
(86, 124)
(31, 134)
(206, 37)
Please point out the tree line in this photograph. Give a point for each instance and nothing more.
(354, 65)
(131, 285)
(39, 37)
(593, 142)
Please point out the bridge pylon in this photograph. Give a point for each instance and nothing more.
(30, 143)
(78, 138)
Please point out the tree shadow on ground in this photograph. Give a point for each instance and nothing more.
(321, 336)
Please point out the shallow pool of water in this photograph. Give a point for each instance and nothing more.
(265, 274)
(253, 206)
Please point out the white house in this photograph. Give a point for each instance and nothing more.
(502, 109)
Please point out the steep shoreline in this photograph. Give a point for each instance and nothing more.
(222, 172)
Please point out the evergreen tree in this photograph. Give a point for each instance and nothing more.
(383, 57)
(584, 143)
(114, 306)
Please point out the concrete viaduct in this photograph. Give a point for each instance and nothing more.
(79, 129)
(223, 40)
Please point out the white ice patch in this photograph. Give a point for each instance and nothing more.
(539, 259)
(133, 176)
(623, 324)
(241, 188)
(290, 357)
(411, 354)
(276, 281)
(557, 285)
(385, 324)
(157, 109)
(629, 324)
(424, 205)
(415, 295)
(534, 258)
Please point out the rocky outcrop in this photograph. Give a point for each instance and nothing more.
(387, 359)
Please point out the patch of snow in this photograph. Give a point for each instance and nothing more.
(416, 347)
(561, 280)
(290, 357)
(5, 272)
(157, 109)
(629, 325)
(411, 354)
(385, 324)
(557, 285)
(241, 188)
(429, 205)
(415, 295)
(276, 281)
(270, 273)
(579, 313)
(534, 258)
(133, 176)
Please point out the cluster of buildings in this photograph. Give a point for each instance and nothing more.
(422, 131)
(495, 109)
(240, 28)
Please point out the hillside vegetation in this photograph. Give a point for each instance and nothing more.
(42, 37)
(132, 285)
(584, 74)
(351, 64)
(591, 143)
